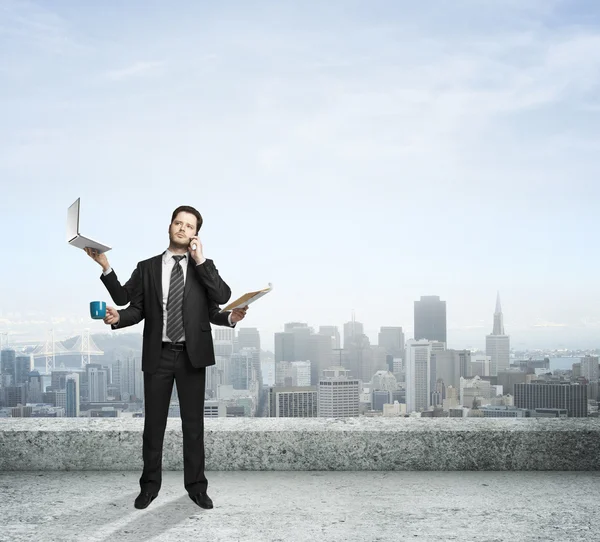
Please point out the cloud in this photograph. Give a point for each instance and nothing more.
(549, 324)
(28, 25)
(139, 69)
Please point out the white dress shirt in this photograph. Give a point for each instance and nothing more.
(167, 266)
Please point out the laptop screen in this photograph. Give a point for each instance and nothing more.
(73, 220)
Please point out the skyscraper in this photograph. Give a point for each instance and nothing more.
(243, 369)
(418, 375)
(249, 337)
(130, 378)
(430, 319)
(23, 366)
(353, 333)
(590, 369)
(449, 366)
(320, 354)
(497, 345)
(7, 364)
(72, 390)
(331, 331)
(302, 334)
(97, 384)
(392, 339)
(284, 346)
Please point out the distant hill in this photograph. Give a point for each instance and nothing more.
(113, 345)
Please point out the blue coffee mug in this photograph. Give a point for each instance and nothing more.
(98, 310)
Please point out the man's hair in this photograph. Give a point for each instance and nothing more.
(188, 209)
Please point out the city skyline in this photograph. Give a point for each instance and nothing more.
(356, 158)
(473, 338)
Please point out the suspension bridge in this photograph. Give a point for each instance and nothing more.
(84, 346)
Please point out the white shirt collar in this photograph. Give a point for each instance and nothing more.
(168, 255)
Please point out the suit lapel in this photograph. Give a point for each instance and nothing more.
(157, 277)
(188, 277)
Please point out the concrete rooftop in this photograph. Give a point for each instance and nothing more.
(264, 506)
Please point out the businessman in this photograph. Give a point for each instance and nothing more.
(178, 294)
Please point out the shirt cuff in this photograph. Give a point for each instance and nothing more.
(109, 270)
(231, 324)
(201, 262)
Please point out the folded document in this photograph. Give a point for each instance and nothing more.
(246, 299)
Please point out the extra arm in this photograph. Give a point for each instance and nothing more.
(132, 292)
(120, 294)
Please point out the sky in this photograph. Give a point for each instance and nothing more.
(355, 154)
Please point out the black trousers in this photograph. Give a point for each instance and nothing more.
(174, 366)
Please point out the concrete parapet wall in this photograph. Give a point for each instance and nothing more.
(350, 444)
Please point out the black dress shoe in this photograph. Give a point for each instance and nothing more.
(202, 500)
(144, 499)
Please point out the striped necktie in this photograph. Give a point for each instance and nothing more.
(175, 302)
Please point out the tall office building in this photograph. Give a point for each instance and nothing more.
(296, 402)
(392, 339)
(129, 378)
(11, 396)
(224, 333)
(242, 370)
(430, 319)
(339, 394)
(72, 396)
(480, 365)
(224, 342)
(418, 375)
(23, 366)
(248, 337)
(548, 394)
(35, 387)
(7, 364)
(302, 334)
(293, 373)
(97, 384)
(353, 333)
(358, 358)
(284, 346)
(449, 366)
(333, 332)
(508, 379)
(590, 369)
(320, 354)
(301, 371)
(59, 377)
(497, 345)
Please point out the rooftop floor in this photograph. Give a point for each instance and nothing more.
(304, 506)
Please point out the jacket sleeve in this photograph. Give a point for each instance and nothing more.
(132, 292)
(216, 317)
(121, 295)
(216, 288)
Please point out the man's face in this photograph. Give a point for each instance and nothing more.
(182, 229)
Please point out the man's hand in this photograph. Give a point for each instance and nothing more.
(112, 316)
(238, 314)
(197, 254)
(99, 258)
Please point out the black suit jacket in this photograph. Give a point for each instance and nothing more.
(204, 291)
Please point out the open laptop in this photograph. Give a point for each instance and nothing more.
(73, 236)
